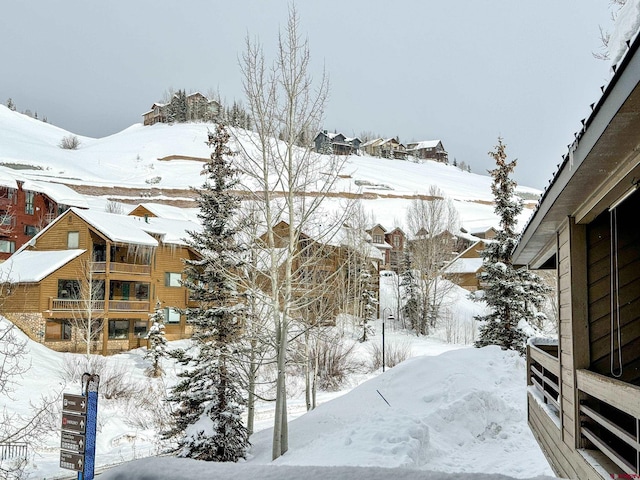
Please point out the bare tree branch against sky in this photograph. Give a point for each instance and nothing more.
(463, 72)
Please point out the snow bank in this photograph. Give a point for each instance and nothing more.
(626, 27)
(173, 469)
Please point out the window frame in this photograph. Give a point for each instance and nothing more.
(73, 243)
(113, 329)
(170, 279)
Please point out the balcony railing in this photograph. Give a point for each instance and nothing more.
(544, 372)
(117, 267)
(610, 418)
(78, 305)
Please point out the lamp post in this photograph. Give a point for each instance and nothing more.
(390, 317)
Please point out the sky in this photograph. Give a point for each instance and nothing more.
(464, 72)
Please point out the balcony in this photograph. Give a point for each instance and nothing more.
(544, 374)
(610, 419)
(78, 305)
(116, 267)
(604, 439)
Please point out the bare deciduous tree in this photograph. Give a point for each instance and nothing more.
(284, 105)
(431, 225)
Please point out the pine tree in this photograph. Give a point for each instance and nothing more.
(157, 343)
(10, 105)
(208, 417)
(513, 294)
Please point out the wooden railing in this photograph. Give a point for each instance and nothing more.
(610, 418)
(73, 304)
(117, 267)
(70, 304)
(544, 372)
(129, 305)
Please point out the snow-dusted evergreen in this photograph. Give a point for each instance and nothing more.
(208, 424)
(513, 294)
(157, 343)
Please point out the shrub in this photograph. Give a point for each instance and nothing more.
(70, 142)
(394, 353)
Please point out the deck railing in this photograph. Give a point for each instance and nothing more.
(610, 418)
(74, 304)
(117, 267)
(79, 305)
(544, 372)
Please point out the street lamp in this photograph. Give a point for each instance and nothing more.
(389, 317)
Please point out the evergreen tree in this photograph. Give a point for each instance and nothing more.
(208, 417)
(10, 105)
(157, 343)
(513, 294)
(369, 304)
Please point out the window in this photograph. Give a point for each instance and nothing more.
(73, 239)
(28, 203)
(396, 240)
(140, 328)
(142, 291)
(171, 315)
(68, 289)
(118, 329)
(7, 246)
(378, 239)
(172, 279)
(6, 219)
(30, 230)
(58, 330)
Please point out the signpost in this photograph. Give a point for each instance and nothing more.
(79, 418)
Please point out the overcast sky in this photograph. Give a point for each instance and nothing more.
(461, 71)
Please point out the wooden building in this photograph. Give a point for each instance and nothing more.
(198, 109)
(27, 206)
(336, 143)
(116, 267)
(322, 265)
(584, 389)
(428, 150)
(464, 269)
(391, 245)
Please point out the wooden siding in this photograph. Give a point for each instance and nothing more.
(599, 278)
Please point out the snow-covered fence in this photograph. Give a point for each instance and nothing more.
(13, 451)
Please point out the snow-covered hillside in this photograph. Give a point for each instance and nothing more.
(131, 158)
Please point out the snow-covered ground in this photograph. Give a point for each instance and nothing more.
(131, 159)
(449, 408)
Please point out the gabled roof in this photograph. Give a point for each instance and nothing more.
(424, 144)
(31, 266)
(61, 194)
(169, 211)
(125, 229)
(468, 261)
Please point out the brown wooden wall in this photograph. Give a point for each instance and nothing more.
(599, 278)
(565, 336)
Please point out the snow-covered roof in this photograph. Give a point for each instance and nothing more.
(625, 29)
(57, 192)
(169, 211)
(30, 266)
(424, 144)
(464, 265)
(132, 230)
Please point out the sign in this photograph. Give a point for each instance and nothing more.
(74, 403)
(71, 461)
(73, 423)
(72, 442)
